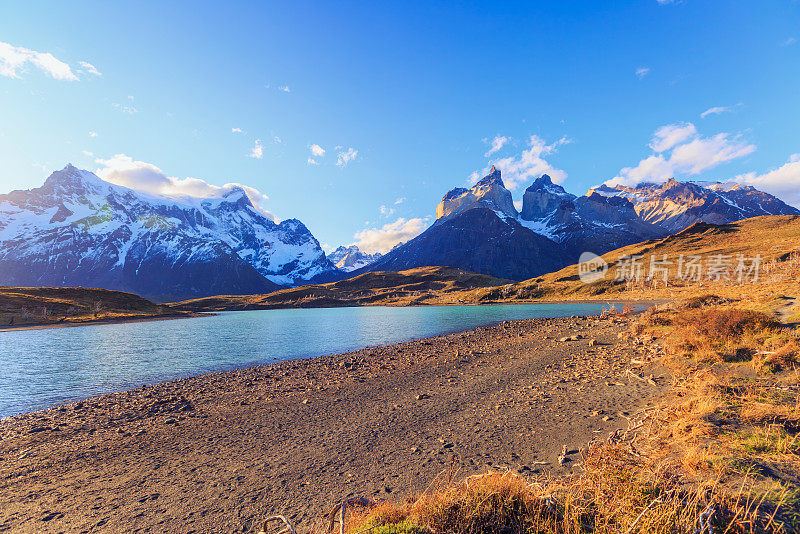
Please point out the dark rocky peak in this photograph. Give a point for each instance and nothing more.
(542, 198)
(613, 201)
(493, 178)
(237, 196)
(544, 182)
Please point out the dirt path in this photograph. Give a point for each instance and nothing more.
(218, 452)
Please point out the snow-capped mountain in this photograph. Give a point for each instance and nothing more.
(480, 230)
(592, 222)
(675, 205)
(350, 258)
(78, 230)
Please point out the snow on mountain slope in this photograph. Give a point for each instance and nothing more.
(676, 205)
(80, 230)
(351, 258)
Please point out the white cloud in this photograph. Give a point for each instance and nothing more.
(277, 140)
(317, 151)
(679, 150)
(14, 59)
(385, 238)
(88, 68)
(641, 72)
(346, 156)
(789, 41)
(126, 108)
(92, 134)
(385, 211)
(284, 88)
(312, 161)
(399, 201)
(146, 177)
(716, 110)
(87, 153)
(670, 135)
(236, 130)
(527, 166)
(257, 152)
(497, 143)
(783, 182)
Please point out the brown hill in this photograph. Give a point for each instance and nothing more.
(422, 285)
(44, 306)
(776, 239)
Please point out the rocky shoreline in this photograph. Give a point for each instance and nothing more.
(218, 452)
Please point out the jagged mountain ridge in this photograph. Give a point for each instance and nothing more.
(676, 205)
(78, 230)
(350, 258)
(479, 228)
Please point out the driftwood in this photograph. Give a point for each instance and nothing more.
(287, 527)
(341, 509)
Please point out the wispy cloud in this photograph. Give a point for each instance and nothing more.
(528, 165)
(283, 88)
(385, 238)
(716, 110)
(92, 134)
(497, 144)
(386, 211)
(15, 59)
(236, 130)
(88, 68)
(641, 72)
(344, 157)
(312, 161)
(125, 171)
(257, 152)
(790, 41)
(129, 109)
(681, 151)
(670, 135)
(399, 201)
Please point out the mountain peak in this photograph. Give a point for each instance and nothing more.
(71, 177)
(491, 179)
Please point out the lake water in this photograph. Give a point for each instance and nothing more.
(39, 368)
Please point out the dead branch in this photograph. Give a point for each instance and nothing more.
(286, 528)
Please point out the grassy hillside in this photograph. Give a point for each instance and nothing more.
(423, 285)
(34, 306)
(775, 238)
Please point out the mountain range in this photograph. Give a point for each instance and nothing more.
(79, 230)
(479, 229)
(351, 258)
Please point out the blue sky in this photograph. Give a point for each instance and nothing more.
(405, 99)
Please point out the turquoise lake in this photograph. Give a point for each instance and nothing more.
(40, 368)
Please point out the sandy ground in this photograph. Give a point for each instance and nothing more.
(218, 452)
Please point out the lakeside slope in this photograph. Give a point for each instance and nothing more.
(24, 307)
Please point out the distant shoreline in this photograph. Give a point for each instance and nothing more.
(74, 324)
(211, 313)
